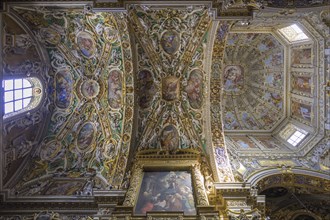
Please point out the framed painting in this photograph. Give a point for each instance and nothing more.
(301, 56)
(302, 84)
(166, 191)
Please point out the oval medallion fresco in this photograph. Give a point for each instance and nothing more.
(63, 85)
(90, 88)
(194, 89)
(170, 138)
(110, 34)
(110, 149)
(85, 136)
(146, 88)
(86, 44)
(50, 151)
(170, 88)
(115, 88)
(170, 42)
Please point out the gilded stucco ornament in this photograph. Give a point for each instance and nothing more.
(224, 172)
(134, 185)
(170, 80)
(202, 199)
(88, 54)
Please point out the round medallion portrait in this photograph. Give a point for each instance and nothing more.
(90, 89)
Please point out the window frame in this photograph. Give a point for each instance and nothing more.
(36, 96)
(294, 41)
(295, 139)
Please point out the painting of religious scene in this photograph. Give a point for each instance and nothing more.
(170, 88)
(85, 136)
(243, 142)
(248, 121)
(86, 44)
(167, 191)
(269, 142)
(273, 60)
(63, 85)
(230, 121)
(170, 138)
(301, 56)
(147, 88)
(90, 89)
(302, 84)
(274, 98)
(301, 110)
(265, 115)
(194, 89)
(274, 79)
(170, 42)
(233, 78)
(115, 89)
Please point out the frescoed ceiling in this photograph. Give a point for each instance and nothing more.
(253, 82)
(285, 103)
(149, 80)
(89, 87)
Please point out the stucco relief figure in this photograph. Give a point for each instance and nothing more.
(170, 42)
(50, 36)
(85, 136)
(86, 44)
(170, 88)
(115, 88)
(170, 138)
(64, 188)
(233, 78)
(51, 151)
(194, 89)
(146, 88)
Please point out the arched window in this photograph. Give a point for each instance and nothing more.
(21, 95)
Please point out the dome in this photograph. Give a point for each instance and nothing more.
(253, 82)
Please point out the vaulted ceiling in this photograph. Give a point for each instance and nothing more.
(150, 79)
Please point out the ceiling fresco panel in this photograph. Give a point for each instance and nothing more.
(170, 77)
(91, 67)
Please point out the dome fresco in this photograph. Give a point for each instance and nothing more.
(253, 81)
